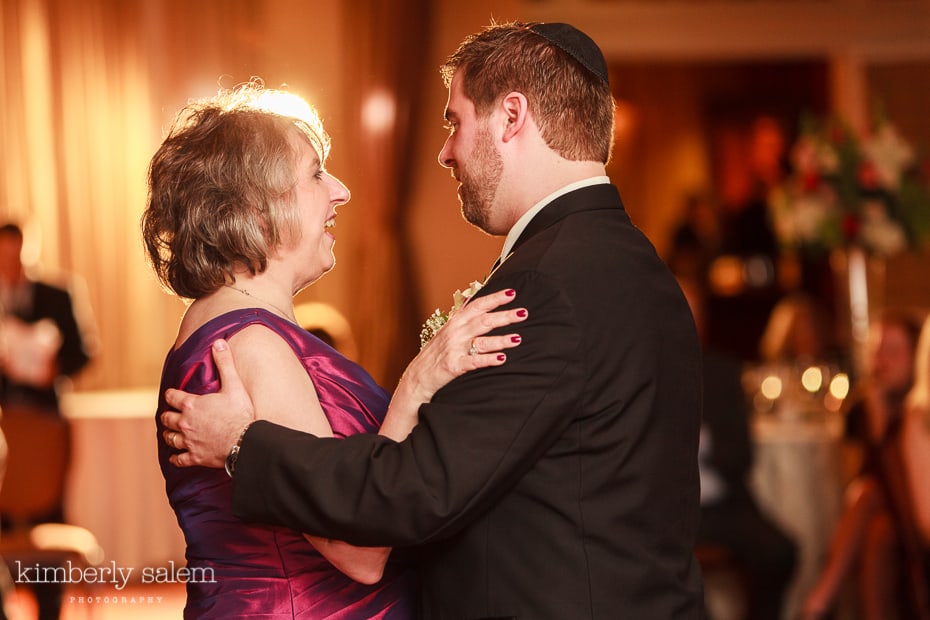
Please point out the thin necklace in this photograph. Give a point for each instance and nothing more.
(259, 299)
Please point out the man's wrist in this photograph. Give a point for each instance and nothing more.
(233, 456)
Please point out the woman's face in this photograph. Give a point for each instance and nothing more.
(316, 194)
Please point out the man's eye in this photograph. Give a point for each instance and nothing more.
(450, 127)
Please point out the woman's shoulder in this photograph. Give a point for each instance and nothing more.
(201, 326)
(198, 328)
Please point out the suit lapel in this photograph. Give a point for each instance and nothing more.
(591, 198)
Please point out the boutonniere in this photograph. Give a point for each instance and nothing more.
(438, 318)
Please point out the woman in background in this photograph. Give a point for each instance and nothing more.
(797, 333)
(239, 219)
(875, 534)
(916, 456)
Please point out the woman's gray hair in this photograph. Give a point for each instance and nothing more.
(220, 187)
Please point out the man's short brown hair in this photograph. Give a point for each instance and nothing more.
(571, 105)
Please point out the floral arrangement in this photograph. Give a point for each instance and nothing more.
(438, 318)
(844, 191)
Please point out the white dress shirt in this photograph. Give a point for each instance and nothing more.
(527, 217)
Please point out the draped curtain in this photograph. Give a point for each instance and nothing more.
(388, 43)
(87, 88)
(74, 126)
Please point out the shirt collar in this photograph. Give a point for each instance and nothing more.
(525, 219)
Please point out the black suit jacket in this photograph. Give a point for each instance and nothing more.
(561, 485)
(727, 420)
(55, 303)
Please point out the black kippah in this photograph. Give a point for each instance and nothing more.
(575, 43)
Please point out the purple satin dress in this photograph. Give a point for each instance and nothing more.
(241, 570)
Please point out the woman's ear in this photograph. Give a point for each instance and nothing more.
(515, 109)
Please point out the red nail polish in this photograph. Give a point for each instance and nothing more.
(510, 292)
(521, 313)
(515, 339)
(501, 357)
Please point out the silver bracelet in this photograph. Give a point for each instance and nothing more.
(233, 455)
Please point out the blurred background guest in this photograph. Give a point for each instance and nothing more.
(44, 339)
(915, 450)
(730, 516)
(696, 239)
(42, 345)
(797, 333)
(875, 533)
(744, 279)
(876, 409)
(798, 339)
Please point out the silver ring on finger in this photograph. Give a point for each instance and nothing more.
(473, 349)
(172, 437)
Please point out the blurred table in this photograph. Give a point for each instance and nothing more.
(798, 480)
(115, 488)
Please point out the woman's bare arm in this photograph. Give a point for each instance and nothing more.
(283, 393)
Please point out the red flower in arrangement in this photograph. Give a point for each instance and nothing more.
(845, 190)
(868, 176)
(810, 181)
(851, 226)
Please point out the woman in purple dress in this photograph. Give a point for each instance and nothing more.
(239, 219)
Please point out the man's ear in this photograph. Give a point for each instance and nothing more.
(515, 109)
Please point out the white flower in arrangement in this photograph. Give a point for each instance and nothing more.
(811, 215)
(803, 217)
(828, 159)
(880, 232)
(811, 156)
(890, 154)
(846, 191)
(437, 319)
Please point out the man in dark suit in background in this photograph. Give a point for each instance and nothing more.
(44, 340)
(42, 343)
(730, 516)
(563, 484)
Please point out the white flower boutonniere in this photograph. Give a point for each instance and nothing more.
(437, 319)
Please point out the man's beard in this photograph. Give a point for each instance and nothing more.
(480, 182)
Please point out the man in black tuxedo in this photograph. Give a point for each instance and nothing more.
(563, 484)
